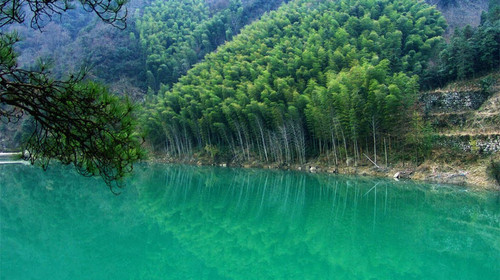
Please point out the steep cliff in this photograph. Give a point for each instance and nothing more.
(459, 13)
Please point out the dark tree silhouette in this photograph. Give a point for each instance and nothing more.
(42, 11)
(74, 121)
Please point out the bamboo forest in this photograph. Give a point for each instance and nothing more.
(250, 139)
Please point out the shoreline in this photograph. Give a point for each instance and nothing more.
(472, 176)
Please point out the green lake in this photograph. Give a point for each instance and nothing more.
(185, 222)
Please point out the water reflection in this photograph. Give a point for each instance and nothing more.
(249, 224)
(181, 222)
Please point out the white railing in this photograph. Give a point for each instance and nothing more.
(12, 158)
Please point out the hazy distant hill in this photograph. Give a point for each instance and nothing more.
(459, 13)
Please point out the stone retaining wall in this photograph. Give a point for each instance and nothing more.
(452, 101)
(481, 144)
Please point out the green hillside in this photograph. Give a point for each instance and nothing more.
(286, 82)
(175, 35)
(314, 77)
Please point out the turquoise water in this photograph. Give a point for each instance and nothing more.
(181, 222)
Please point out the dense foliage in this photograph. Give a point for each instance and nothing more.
(176, 34)
(334, 77)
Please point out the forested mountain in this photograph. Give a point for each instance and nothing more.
(311, 77)
(177, 34)
(153, 51)
(78, 40)
(163, 39)
(334, 78)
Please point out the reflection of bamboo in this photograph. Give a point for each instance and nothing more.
(263, 193)
(335, 200)
(375, 207)
(385, 204)
(239, 196)
(372, 188)
(345, 200)
(299, 197)
(355, 200)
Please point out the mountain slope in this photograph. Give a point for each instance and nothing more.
(314, 75)
(177, 34)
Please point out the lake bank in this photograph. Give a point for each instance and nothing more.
(468, 174)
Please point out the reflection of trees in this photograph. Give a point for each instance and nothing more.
(181, 222)
(277, 225)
